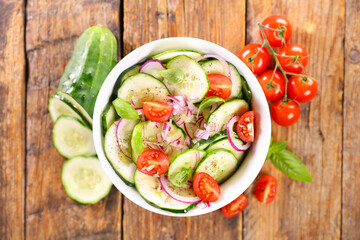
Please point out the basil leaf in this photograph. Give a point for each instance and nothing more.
(124, 109)
(208, 102)
(182, 177)
(269, 150)
(291, 165)
(174, 75)
(136, 139)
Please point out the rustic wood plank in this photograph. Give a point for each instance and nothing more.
(51, 32)
(221, 22)
(351, 140)
(306, 210)
(12, 119)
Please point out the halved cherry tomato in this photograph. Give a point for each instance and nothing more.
(153, 162)
(157, 111)
(276, 22)
(293, 50)
(302, 89)
(260, 62)
(235, 207)
(277, 88)
(205, 187)
(265, 189)
(220, 86)
(285, 114)
(245, 127)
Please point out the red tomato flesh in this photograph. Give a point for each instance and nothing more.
(220, 86)
(153, 162)
(235, 207)
(157, 111)
(265, 189)
(205, 187)
(245, 127)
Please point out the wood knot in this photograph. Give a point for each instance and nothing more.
(354, 55)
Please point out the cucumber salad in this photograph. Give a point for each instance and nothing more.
(178, 127)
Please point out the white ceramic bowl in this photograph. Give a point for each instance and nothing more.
(254, 160)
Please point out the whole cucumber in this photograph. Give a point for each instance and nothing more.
(94, 56)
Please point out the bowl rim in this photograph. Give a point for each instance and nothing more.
(142, 53)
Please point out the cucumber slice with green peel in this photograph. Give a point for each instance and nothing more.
(77, 106)
(143, 87)
(183, 165)
(84, 180)
(204, 143)
(247, 94)
(71, 137)
(166, 56)
(219, 163)
(59, 106)
(94, 56)
(224, 143)
(123, 166)
(215, 66)
(108, 117)
(219, 118)
(195, 84)
(150, 136)
(129, 72)
(149, 189)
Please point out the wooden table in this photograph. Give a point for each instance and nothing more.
(36, 41)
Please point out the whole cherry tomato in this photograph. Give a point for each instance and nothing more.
(260, 62)
(276, 90)
(302, 89)
(285, 113)
(294, 51)
(265, 189)
(275, 38)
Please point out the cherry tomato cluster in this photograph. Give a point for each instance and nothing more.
(284, 85)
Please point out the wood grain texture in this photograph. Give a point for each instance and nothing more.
(202, 19)
(51, 32)
(306, 210)
(351, 143)
(12, 119)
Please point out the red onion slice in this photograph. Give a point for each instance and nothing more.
(222, 61)
(152, 67)
(231, 136)
(119, 128)
(164, 182)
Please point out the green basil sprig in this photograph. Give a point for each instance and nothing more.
(174, 75)
(287, 162)
(124, 109)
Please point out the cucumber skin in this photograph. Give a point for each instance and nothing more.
(104, 120)
(66, 191)
(95, 54)
(71, 106)
(208, 141)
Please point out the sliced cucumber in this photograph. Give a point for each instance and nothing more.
(129, 72)
(166, 56)
(195, 84)
(76, 105)
(204, 143)
(182, 166)
(143, 87)
(219, 163)
(123, 166)
(60, 106)
(71, 137)
(215, 66)
(108, 117)
(222, 114)
(150, 130)
(84, 180)
(224, 143)
(148, 186)
(247, 94)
